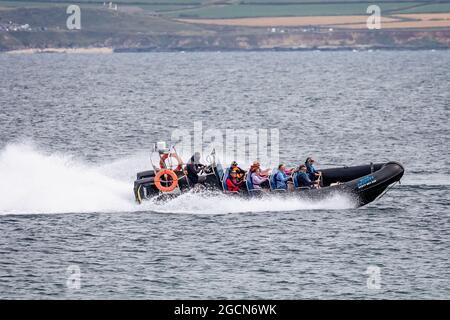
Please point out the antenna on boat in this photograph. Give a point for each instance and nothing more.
(151, 155)
(213, 154)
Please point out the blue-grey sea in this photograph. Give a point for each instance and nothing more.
(75, 129)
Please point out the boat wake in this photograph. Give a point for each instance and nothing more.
(36, 182)
(426, 179)
(218, 203)
(33, 181)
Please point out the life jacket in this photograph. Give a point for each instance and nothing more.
(239, 172)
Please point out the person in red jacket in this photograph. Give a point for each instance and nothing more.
(232, 182)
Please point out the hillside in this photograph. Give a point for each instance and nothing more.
(223, 25)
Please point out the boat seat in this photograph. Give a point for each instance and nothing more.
(294, 180)
(224, 180)
(218, 169)
(296, 185)
(250, 188)
(272, 182)
(279, 191)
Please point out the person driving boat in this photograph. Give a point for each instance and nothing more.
(193, 167)
(311, 170)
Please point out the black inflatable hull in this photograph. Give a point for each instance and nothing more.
(363, 183)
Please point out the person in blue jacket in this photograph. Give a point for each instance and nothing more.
(281, 178)
(312, 172)
(303, 179)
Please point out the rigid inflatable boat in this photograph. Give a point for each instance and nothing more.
(364, 183)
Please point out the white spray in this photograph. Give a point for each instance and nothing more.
(35, 182)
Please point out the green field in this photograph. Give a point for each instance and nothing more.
(330, 9)
(143, 2)
(251, 8)
(429, 8)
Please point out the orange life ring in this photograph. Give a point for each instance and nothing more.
(164, 157)
(171, 174)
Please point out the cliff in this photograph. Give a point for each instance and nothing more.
(140, 31)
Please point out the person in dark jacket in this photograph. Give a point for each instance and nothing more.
(193, 167)
(312, 172)
(303, 179)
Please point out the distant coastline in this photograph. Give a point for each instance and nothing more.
(103, 31)
(147, 50)
(62, 50)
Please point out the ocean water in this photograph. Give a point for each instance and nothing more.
(75, 129)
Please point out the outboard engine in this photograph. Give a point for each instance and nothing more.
(144, 187)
